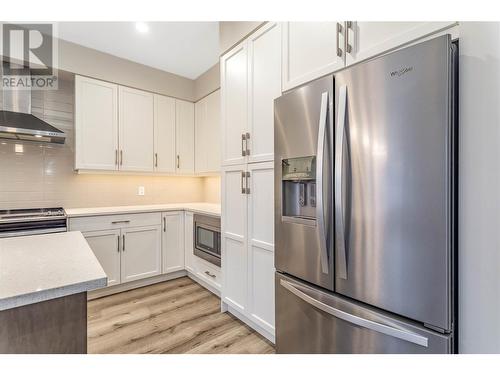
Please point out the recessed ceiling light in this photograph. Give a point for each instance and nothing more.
(142, 27)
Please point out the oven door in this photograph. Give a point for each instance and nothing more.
(207, 242)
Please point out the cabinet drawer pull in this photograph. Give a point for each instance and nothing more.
(178, 161)
(164, 224)
(243, 175)
(121, 157)
(120, 222)
(123, 243)
(116, 157)
(118, 247)
(210, 275)
(247, 150)
(156, 159)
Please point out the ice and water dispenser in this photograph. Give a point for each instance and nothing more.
(298, 177)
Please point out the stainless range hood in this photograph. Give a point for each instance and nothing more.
(17, 122)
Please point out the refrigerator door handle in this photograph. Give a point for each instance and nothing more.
(354, 319)
(320, 206)
(339, 212)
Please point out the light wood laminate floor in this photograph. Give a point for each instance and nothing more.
(177, 316)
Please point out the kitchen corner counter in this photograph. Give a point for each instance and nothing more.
(44, 267)
(203, 208)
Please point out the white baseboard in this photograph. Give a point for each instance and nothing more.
(250, 323)
(133, 285)
(207, 286)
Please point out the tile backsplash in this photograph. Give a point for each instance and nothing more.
(41, 175)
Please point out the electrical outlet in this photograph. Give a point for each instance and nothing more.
(140, 190)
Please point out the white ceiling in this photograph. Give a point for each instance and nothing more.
(187, 49)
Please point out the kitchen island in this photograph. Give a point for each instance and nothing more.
(44, 280)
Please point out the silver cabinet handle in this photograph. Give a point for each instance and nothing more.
(339, 212)
(123, 243)
(247, 150)
(120, 222)
(320, 206)
(348, 46)
(243, 176)
(164, 224)
(116, 157)
(178, 161)
(121, 157)
(209, 274)
(243, 146)
(118, 247)
(247, 182)
(354, 319)
(337, 35)
(156, 159)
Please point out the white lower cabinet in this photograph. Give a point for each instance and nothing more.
(141, 253)
(248, 242)
(173, 241)
(106, 246)
(188, 242)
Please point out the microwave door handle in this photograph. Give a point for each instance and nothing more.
(341, 258)
(385, 329)
(320, 206)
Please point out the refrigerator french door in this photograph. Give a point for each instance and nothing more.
(393, 198)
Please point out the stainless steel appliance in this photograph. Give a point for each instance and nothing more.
(25, 222)
(206, 237)
(17, 122)
(365, 214)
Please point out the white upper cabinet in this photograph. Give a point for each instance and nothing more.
(184, 130)
(164, 134)
(207, 134)
(368, 39)
(136, 130)
(264, 85)
(96, 124)
(311, 50)
(234, 93)
(173, 241)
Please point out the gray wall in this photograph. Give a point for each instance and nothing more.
(207, 83)
(89, 62)
(479, 196)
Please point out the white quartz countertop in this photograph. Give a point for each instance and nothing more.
(204, 208)
(42, 267)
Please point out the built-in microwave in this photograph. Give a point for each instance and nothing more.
(206, 236)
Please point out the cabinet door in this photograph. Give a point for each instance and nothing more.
(188, 242)
(164, 134)
(173, 241)
(234, 97)
(368, 39)
(184, 125)
(96, 124)
(141, 252)
(264, 85)
(311, 50)
(106, 247)
(136, 130)
(233, 233)
(207, 134)
(261, 244)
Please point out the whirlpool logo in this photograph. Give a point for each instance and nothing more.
(402, 71)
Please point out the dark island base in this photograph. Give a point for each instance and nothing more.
(57, 326)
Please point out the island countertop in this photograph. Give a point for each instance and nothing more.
(43, 267)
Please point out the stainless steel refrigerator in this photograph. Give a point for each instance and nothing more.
(365, 207)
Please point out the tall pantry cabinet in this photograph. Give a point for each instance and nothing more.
(250, 81)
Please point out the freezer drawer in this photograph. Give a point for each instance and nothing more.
(309, 320)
